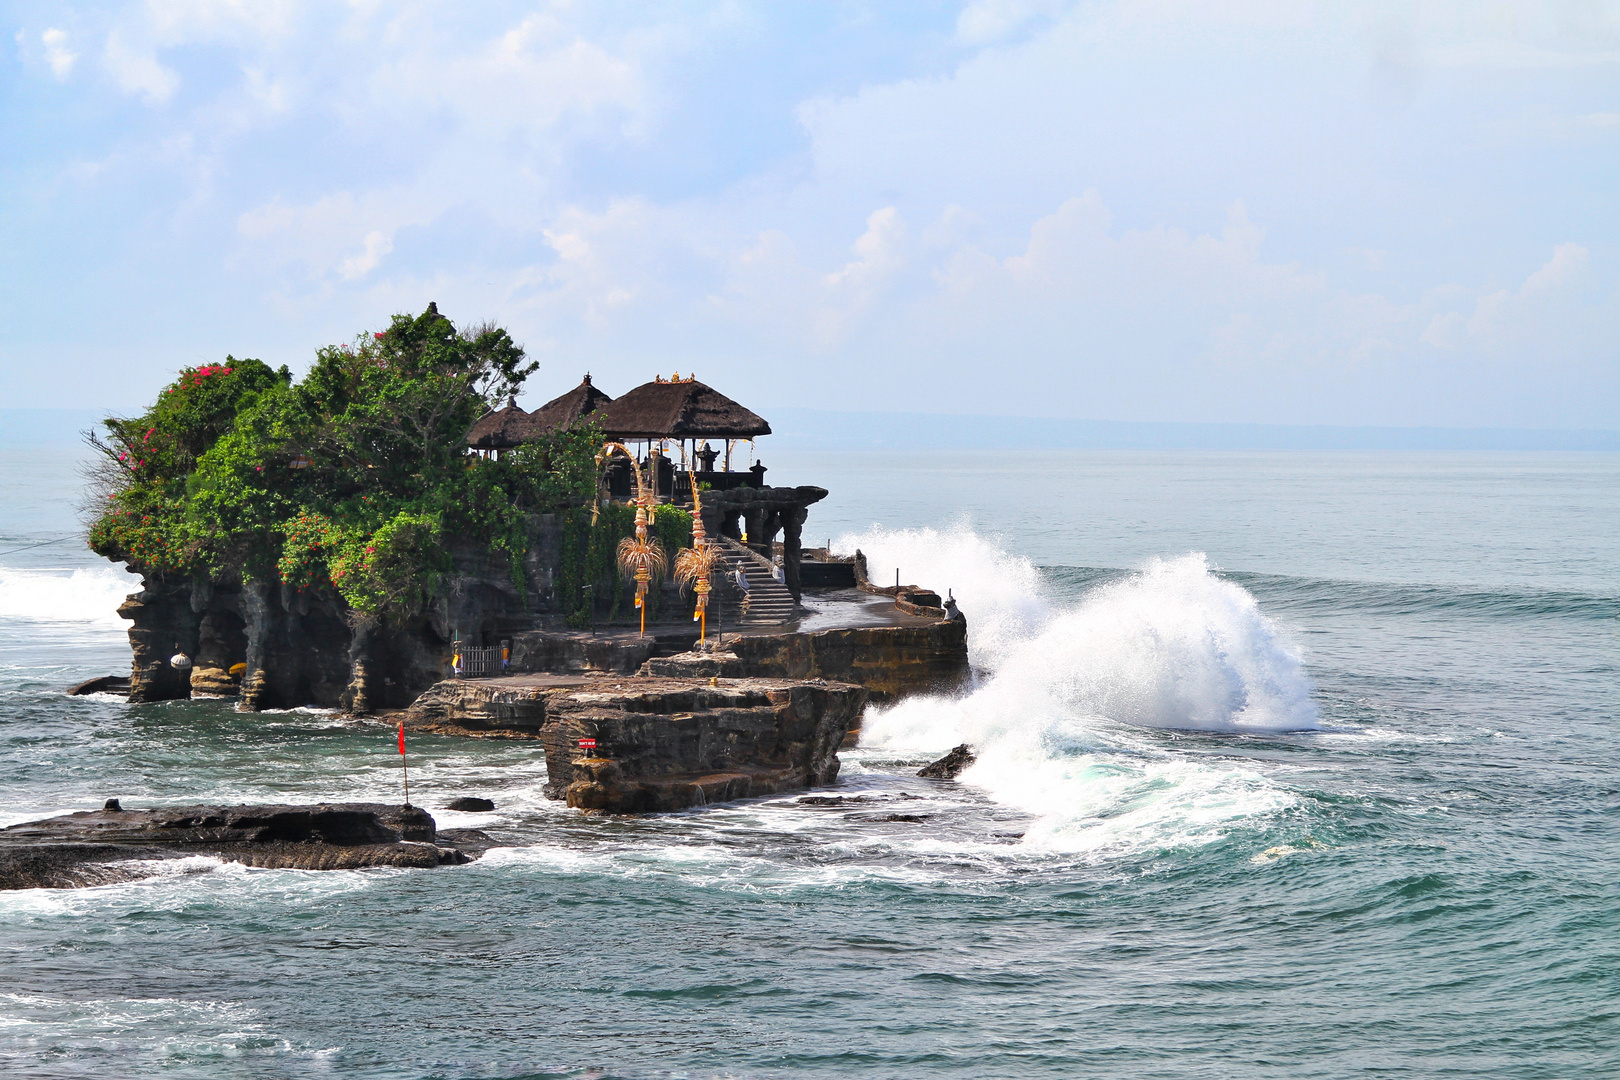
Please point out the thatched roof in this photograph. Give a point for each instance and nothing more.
(501, 429)
(678, 410)
(563, 412)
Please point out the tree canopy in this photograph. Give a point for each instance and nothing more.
(354, 479)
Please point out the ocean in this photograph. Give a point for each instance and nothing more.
(1291, 764)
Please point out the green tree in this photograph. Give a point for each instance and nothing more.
(352, 480)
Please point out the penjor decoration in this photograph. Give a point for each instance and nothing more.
(695, 565)
(641, 559)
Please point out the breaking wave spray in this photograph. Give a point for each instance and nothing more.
(1063, 691)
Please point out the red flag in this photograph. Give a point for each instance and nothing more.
(402, 739)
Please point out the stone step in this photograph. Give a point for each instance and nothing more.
(769, 603)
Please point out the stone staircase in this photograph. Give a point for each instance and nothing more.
(769, 602)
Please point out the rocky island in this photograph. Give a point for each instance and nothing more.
(385, 537)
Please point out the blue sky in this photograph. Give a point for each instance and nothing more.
(1399, 214)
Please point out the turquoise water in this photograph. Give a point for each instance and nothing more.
(1335, 797)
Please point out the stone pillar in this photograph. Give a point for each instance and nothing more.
(769, 526)
(755, 516)
(258, 624)
(792, 536)
(358, 695)
(162, 623)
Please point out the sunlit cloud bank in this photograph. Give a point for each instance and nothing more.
(1135, 211)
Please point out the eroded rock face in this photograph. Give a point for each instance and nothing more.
(278, 647)
(97, 847)
(661, 744)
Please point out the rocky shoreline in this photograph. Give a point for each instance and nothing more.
(112, 845)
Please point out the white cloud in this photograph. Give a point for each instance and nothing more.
(378, 244)
(139, 72)
(339, 234)
(985, 21)
(57, 53)
(1445, 331)
(525, 81)
(1503, 315)
(1566, 264)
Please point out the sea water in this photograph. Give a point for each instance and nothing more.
(1295, 765)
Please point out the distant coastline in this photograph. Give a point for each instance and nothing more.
(828, 429)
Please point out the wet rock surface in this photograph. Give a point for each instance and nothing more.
(947, 767)
(98, 847)
(659, 743)
(104, 684)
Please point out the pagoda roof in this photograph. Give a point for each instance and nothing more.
(564, 412)
(500, 429)
(678, 409)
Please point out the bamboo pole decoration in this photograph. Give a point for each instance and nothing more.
(695, 565)
(641, 559)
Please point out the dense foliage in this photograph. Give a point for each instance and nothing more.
(353, 479)
(590, 579)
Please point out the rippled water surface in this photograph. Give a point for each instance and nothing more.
(1296, 765)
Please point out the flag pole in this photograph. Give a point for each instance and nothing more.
(404, 770)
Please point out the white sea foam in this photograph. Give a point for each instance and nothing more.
(79, 596)
(999, 593)
(1170, 647)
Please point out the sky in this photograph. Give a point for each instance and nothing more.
(1216, 212)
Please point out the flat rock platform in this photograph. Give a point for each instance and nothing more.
(101, 847)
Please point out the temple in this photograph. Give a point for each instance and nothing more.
(700, 435)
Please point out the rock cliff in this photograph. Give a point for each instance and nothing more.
(660, 744)
(279, 647)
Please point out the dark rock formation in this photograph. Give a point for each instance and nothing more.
(661, 744)
(278, 647)
(103, 684)
(890, 661)
(471, 804)
(561, 651)
(96, 847)
(947, 767)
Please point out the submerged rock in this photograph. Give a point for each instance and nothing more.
(471, 804)
(98, 847)
(947, 767)
(105, 684)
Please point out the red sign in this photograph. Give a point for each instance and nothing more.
(587, 744)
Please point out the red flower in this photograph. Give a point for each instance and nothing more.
(379, 337)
